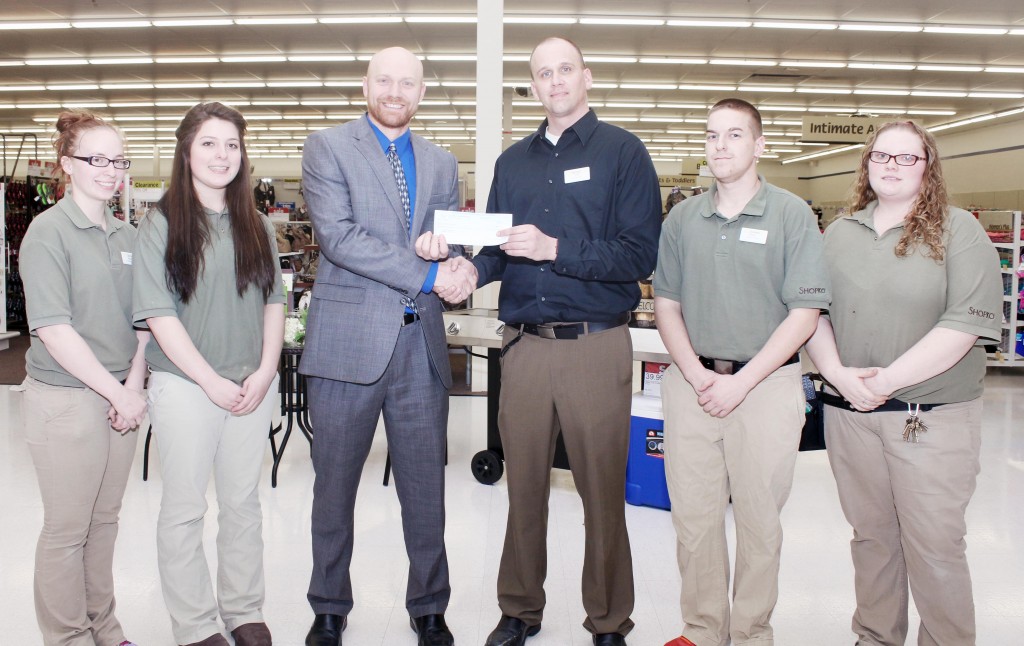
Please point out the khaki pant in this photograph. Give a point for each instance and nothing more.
(580, 387)
(83, 467)
(906, 503)
(196, 437)
(750, 454)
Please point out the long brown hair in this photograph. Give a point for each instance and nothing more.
(188, 227)
(925, 222)
(71, 125)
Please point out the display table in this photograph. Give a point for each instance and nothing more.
(481, 328)
(294, 405)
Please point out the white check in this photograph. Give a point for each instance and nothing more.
(466, 228)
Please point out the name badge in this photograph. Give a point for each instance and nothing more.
(577, 175)
(126, 257)
(757, 236)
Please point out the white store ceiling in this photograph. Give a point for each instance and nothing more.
(657, 78)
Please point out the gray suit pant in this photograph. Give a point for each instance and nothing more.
(414, 402)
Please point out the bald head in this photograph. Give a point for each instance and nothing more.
(558, 44)
(393, 87)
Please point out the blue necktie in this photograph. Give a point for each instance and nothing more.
(403, 188)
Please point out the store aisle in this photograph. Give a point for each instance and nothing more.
(816, 589)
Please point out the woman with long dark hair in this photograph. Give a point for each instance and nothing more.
(915, 286)
(83, 395)
(208, 285)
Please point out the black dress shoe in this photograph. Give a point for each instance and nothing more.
(609, 639)
(511, 632)
(326, 630)
(432, 631)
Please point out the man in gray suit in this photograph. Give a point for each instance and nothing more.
(375, 339)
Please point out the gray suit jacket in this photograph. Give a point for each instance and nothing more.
(367, 260)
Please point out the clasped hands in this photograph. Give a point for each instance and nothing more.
(865, 388)
(456, 277)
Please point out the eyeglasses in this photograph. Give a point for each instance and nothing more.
(103, 162)
(879, 157)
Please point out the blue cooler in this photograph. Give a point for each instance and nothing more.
(645, 469)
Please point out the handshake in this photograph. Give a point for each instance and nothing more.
(456, 277)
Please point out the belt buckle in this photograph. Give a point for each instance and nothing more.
(723, 367)
(546, 332)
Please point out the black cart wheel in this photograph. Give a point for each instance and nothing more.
(487, 467)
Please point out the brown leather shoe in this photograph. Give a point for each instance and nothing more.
(254, 634)
(215, 639)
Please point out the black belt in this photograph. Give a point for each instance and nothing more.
(570, 330)
(724, 367)
(410, 318)
(890, 406)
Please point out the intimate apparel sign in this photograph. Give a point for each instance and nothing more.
(841, 130)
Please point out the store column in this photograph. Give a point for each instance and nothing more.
(489, 110)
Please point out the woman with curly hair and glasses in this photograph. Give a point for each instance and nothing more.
(916, 293)
(83, 395)
(207, 283)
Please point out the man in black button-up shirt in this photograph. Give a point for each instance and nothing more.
(586, 211)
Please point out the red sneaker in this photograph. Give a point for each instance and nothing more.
(680, 641)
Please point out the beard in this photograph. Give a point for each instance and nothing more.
(390, 118)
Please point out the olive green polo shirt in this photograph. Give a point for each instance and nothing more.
(226, 329)
(76, 273)
(736, 279)
(884, 304)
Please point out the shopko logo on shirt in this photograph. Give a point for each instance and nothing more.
(812, 290)
(981, 314)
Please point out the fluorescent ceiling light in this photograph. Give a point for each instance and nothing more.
(327, 102)
(22, 88)
(11, 63)
(111, 24)
(640, 22)
(675, 61)
(1006, 70)
(186, 59)
(743, 61)
(709, 23)
(605, 86)
(295, 84)
(833, 109)
(610, 59)
(996, 95)
(765, 88)
(708, 88)
(647, 86)
(276, 21)
(126, 86)
(883, 92)
(38, 106)
(358, 20)
(867, 26)
(627, 104)
(539, 20)
(458, 83)
(823, 90)
(659, 119)
(881, 66)
(781, 108)
(181, 86)
(56, 61)
(253, 59)
(945, 113)
(84, 104)
(327, 58)
(830, 64)
(83, 86)
(793, 24)
(343, 84)
(980, 31)
(19, 26)
(930, 93)
(950, 68)
(783, 122)
(823, 153)
(683, 106)
(134, 104)
(441, 19)
(140, 60)
(238, 84)
(194, 22)
(451, 57)
(516, 58)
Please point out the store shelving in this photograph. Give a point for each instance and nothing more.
(1013, 321)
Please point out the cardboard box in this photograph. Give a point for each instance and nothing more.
(996, 220)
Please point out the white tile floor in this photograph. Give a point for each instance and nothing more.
(816, 596)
